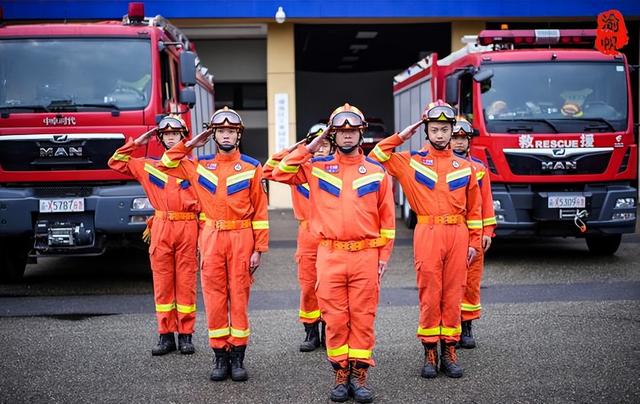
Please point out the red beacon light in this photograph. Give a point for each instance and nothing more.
(136, 12)
(537, 37)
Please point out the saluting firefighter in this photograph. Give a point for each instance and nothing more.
(443, 190)
(353, 214)
(173, 232)
(460, 144)
(307, 243)
(236, 233)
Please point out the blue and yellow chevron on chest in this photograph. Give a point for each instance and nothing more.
(458, 178)
(240, 181)
(303, 189)
(207, 179)
(423, 174)
(367, 184)
(327, 182)
(156, 176)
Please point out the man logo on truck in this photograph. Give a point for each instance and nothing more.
(62, 151)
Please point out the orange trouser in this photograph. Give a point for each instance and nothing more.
(174, 266)
(348, 292)
(306, 255)
(441, 267)
(225, 284)
(471, 300)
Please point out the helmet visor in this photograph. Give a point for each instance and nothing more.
(343, 118)
(442, 113)
(220, 117)
(169, 123)
(462, 126)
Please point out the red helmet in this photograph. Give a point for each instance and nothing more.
(226, 118)
(439, 111)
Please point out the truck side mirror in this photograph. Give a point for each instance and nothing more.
(188, 96)
(452, 87)
(483, 75)
(188, 68)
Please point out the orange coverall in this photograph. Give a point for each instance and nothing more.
(471, 301)
(174, 234)
(231, 194)
(307, 245)
(354, 216)
(443, 191)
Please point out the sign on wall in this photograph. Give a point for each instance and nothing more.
(282, 120)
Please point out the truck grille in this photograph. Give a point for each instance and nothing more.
(558, 161)
(51, 152)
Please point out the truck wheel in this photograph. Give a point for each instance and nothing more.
(13, 259)
(603, 245)
(409, 216)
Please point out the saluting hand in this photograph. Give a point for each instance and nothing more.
(295, 145)
(200, 139)
(254, 261)
(144, 138)
(410, 130)
(315, 144)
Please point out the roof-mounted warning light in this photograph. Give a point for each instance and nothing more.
(136, 12)
(530, 37)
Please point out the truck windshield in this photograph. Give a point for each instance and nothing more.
(555, 97)
(39, 74)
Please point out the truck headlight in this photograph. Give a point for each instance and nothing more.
(497, 205)
(623, 216)
(625, 203)
(141, 204)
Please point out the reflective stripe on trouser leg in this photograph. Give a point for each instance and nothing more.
(185, 234)
(440, 253)
(309, 309)
(363, 298)
(471, 306)
(214, 284)
(332, 294)
(163, 273)
(241, 244)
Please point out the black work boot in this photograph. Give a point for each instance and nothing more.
(220, 369)
(238, 372)
(430, 368)
(323, 334)
(466, 338)
(166, 344)
(312, 340)
(185, 346)
(358, 387)
(449, 360)
(340, 390)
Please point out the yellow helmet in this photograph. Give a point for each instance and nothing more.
(439, 111)
(172, 123)
(347, 115)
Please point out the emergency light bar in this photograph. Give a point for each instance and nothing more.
(538, 37)
(136, 12)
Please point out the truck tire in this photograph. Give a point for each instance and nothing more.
(13, 259)
(603, 244)
(409, 216)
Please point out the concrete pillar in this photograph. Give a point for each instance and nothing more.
(281, 79)
(462, 28)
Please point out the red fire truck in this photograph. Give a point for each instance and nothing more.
(70, 94)
(554, 125)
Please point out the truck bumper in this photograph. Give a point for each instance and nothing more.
(524, 210)
(107, 209)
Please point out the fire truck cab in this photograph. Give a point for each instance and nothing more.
(553, 123)
(70, 95)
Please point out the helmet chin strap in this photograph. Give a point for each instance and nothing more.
(437, 147)
(347, 150)
(227, 148)
(462, 154)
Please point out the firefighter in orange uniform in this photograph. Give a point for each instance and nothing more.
(233, 197)
(460, 144)
(443, 190)
(173, 232)
(352, 212)
(307, 246)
